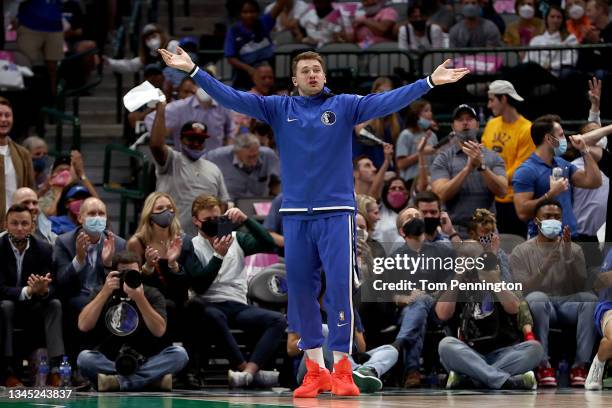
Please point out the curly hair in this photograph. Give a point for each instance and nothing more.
(482, 216)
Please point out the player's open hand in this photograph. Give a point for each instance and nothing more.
(444, 75)
(181, 60)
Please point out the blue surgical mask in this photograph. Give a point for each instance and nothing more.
(191, 153)
(550, 228)
(471, 10)
(424, 123)
(562, 148)
(39, 164)
(94, 225)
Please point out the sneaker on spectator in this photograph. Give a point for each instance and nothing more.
(413, 379)
(239, 379)
(366, 379)
(577, 376)
(266, 379)
(163, 384)
(526, 381)
(546, 377)
(455, 381)
(316, 381)
(190, 381)
(13, 382)
(342, 379)
(594, 380)
(107, 383)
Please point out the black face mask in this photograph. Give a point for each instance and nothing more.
(414, 228)
(210, 227)
(431, 224)
(419, 25)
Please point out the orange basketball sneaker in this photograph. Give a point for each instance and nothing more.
(342, 379)
(316, 381)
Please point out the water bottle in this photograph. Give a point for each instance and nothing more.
(65, 372)
(43, 372)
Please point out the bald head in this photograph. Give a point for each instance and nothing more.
(92, 207)
(27, 197)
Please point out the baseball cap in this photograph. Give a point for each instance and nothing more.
(500, 87)
(77, 190)
(60, 160)
(192, 128)
(464, 108)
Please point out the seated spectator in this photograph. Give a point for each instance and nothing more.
(419, 124)
(526, 27)
(322, 24)
(174, 76)
(152, 38)
(467, 176)
(16, 160)
(40, 34)
(246, 166)
(394, 198)
(508, 134)
(264, 133)
(42, 226)
(577, 23)
(187, 174)
(598, 62)
(368, 208)
(187, 87)
(82, 256)
(473, 30)
(368, 180)
(533, 181)
(418, 34)
(68, 208)
(483, 229)
(488, 351)
(248, 42)
(27, 294)
(288, 21)
(197, 108)
(376, 26)
(553, 273)
(221, 289)
(440, 13)
(438, 225)
(39, 151)
(489, 12)
(145, 338)
(386, 129)
(555, 34)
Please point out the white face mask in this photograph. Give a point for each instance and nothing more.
(526, 11)
(202, 96)
(154, 43)
(576, 12)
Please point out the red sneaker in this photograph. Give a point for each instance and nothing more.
(316, 381)
(342, 379)
(578, 376)
(546, 377)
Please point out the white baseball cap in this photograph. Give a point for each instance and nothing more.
(500, 87)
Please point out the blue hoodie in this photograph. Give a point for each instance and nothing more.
(313, 134)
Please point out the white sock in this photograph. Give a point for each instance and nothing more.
(597, 361)
(338, 355)
(316, 355)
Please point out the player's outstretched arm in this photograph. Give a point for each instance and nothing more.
(250, 104)
(382, 104)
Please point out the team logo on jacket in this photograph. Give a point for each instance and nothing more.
(328, 118)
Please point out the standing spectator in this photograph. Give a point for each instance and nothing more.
(39, 151)
(553, 273)
(40, 33)
(508, 134)
(16, 168)
(187, 174)
(322, 23)
(598, 62)
(288, 21)
(467, 176)
(520, 33)
(42, 226)
(247, 167)
(577, 23)
(27, 293)
(377, 24)
(419, 125)
(533, 181)
(418, 34)
(369, 180)
(473, 30)
(248, 42)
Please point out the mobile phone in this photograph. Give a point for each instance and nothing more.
(557, 173)
(225, 227)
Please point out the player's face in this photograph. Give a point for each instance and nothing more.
(309, 77)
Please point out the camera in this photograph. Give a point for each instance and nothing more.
(130, 277)
(128, 360)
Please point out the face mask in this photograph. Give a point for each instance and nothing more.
(485, 240)
(561, 149)
(94, 225)
(39, 164)
(431, 224)
(467, 135)
(61, 179)
(163, 219)
(202, 96)
(154, 43)
(372, 10)
(424, 123)
(526, 11)
(191, 153)
(397, 199)
(414, 228)
(471, 10)
(19, 241)
(419, 25)
(550, 228)
(210, 227)
(75, 206)
(576, 12)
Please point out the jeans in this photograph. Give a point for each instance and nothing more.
(493, 369)
(413, 325)
(171, 360)
(575, 310)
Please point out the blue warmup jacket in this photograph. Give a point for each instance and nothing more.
(313, 135)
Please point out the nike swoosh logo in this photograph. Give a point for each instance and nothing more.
(343, 324)
(291, 120)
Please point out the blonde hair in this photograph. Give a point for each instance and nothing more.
(145, 230)
(363, 201)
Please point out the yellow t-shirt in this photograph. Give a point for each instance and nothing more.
(513, 143)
